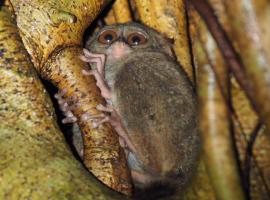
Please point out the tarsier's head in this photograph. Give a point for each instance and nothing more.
(118, 40)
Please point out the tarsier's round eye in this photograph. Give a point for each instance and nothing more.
(136, 38)
(107, 36)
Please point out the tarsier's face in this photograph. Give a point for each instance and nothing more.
(116, 41)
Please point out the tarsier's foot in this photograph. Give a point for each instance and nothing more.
(64, 104)
(98, 73)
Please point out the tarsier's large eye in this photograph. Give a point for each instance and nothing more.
(136, 38)
(107, 36)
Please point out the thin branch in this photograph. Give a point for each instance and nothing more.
(227, 50)
(248, 156)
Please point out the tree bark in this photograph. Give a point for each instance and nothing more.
(36, 162)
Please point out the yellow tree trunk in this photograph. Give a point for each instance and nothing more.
(52, 34)
(35, 161)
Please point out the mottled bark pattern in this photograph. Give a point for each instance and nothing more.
(35, 161)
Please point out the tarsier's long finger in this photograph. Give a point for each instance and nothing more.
(63, 105)
(86, 116)
(60, 93)
(89, 54)
(98, 123)
(69, 114)
(107, 108)
(90, 59)
(97, 60)
(59, 96)
(87, 72)
(68, 120)
(122, 142)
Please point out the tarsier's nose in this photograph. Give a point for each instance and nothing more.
(118, 49)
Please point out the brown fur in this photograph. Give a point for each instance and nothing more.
(156, 103)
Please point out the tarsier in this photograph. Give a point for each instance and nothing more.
(150, 102)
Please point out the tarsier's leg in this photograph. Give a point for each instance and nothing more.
(115, 121)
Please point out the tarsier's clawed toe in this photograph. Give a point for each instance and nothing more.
(101, 118)
(108, 108)
(66, 105)
(70, 118)
(97, 119)
(97, 122)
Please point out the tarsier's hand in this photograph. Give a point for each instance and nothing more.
(98, 73)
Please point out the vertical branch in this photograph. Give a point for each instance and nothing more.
(52, 33)
(255, 68)
(121, 11)
(214, 119)
(227, 50)
(216, 138)
(35, 162)
(247, 36)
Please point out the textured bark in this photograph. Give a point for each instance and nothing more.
(216, 136)
(251, 151)
(35, 161)
(110, 18)
(252, 71)
(52, 34)
(121, 11)
(251, 146)
(245, 28)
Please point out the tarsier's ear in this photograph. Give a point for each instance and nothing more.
(167, 44)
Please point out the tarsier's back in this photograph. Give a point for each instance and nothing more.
(156, 101)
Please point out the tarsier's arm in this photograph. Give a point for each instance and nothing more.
(99, 60)
(111, 115)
